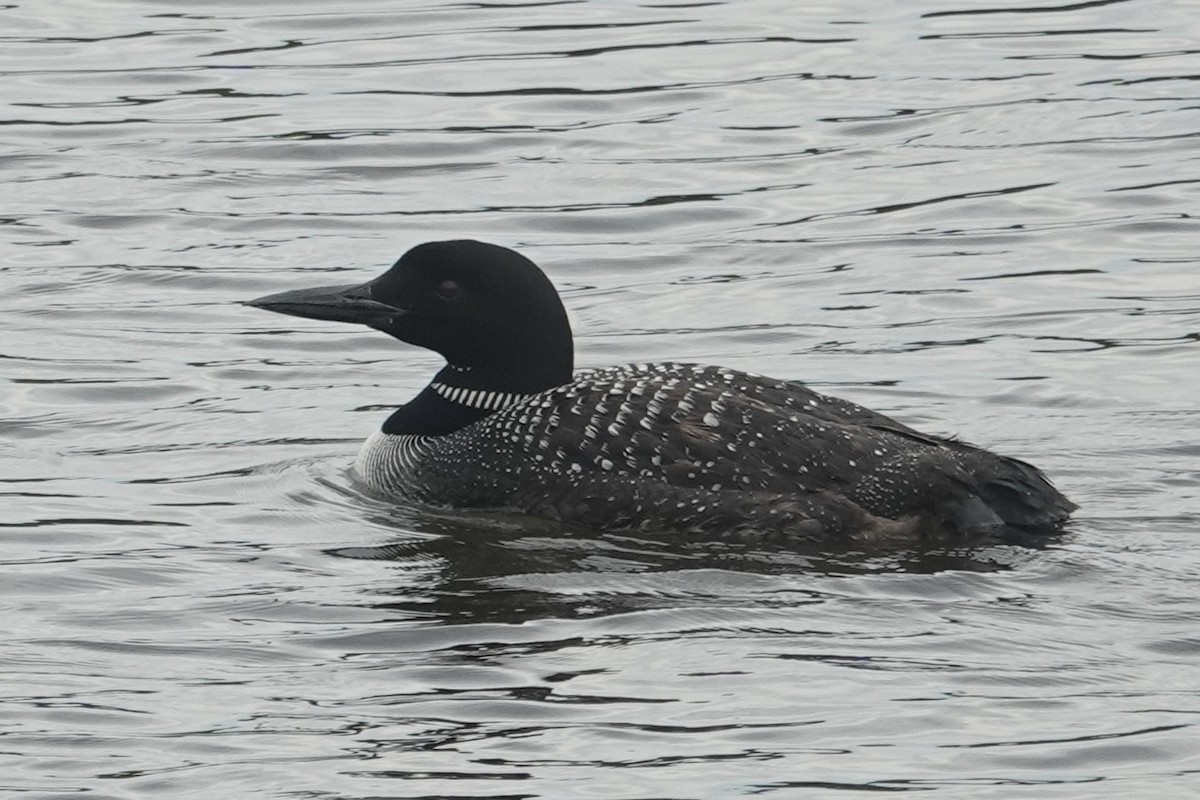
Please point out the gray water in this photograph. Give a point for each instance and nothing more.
(976, 217)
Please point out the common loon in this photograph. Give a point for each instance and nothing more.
(507, 424)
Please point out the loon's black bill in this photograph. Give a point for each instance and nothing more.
(351, 303)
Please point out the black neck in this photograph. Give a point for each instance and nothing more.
(460, 396)
(430, 414)
(523, 368)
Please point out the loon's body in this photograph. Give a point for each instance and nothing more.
(508, 425)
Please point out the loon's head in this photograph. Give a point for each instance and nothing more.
(488, 310)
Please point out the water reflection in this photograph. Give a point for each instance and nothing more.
(512, 568)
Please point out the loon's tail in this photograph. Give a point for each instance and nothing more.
(1018, 493)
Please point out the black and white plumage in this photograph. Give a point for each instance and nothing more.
(506, 424)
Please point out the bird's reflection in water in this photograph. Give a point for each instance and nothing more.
(510, 568)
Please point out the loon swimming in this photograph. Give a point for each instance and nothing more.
(507, 424)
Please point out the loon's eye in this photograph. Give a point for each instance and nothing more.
(447, 289)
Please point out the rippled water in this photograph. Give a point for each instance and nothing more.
(976, 217)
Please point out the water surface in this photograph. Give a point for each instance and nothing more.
(978, 218)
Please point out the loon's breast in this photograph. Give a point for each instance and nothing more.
(680, 446)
